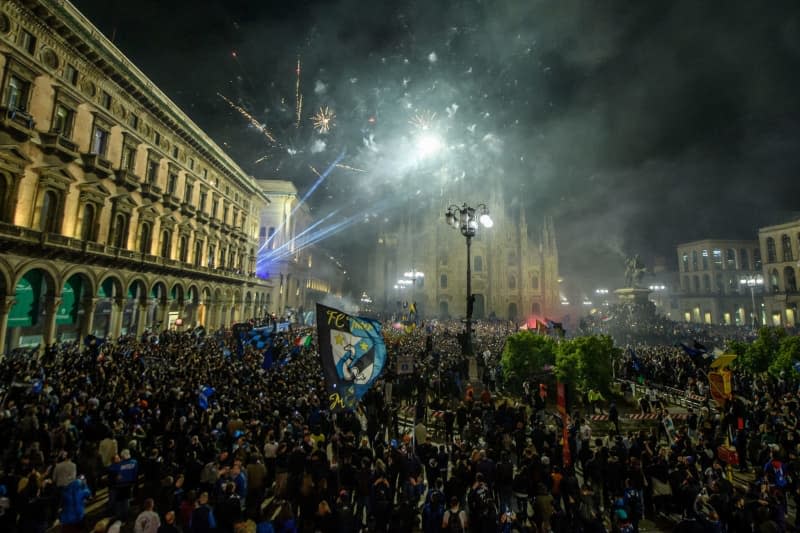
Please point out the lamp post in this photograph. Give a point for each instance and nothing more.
(753, 281)
(466, 218)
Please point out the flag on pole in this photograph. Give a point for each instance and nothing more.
(353, 354)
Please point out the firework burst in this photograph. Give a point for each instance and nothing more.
(423, 120)
(324, 120)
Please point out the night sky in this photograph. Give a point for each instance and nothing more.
(637, 125)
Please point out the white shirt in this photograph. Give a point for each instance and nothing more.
(147, 522)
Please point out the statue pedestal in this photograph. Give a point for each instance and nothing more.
(633, 295)
(473, 369)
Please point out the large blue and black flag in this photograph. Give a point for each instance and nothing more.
(694, 351)
(353, 354)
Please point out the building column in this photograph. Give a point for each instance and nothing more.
(222, 314)
(115, 320)
(89, 307)
(237, 311)
(142, 318)
(201, 314)
(162, 315)
(51, 311)
(6, 303)
(213, 318)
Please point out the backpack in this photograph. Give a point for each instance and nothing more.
(480, 502)
(455, 522)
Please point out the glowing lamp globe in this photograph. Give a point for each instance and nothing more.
(486, 220)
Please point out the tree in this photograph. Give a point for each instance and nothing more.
(788, 354)
(759, 354)
(526, 354)
(585, 362)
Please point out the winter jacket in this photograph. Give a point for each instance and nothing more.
(73, 500)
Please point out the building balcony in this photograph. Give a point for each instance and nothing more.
(188, 209)
(127, 179)
(18, 123)
(202, 217)
(227, 229)
(214, 223)
(151, 191)
(57, 144)
(33, 243)
(96, 164)
(170, 201)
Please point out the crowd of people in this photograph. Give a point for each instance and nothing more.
(187, 432)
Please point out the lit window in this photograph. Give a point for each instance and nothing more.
(99, 141)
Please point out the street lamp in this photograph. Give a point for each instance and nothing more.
(466, 218)
(753, 281)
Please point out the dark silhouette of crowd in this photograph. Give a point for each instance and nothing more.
(189, 432)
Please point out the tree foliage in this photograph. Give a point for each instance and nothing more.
(585, 362)
(758, 356)
(526, 354)
(788, 354)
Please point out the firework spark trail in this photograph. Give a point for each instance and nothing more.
(298, 98)
(250, 118)
(314, 170)
(305, 197)
(261, 159)
(318, 182)
(348, 167)
(280, 249)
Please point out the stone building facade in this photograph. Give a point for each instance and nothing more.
(117, 212)
(301, 272)
(780, 249)
(720, 282)
(421, 259)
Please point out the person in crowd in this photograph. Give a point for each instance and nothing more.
(148, 520)
(73, 505)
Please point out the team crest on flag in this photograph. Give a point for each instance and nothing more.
(353, 354)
